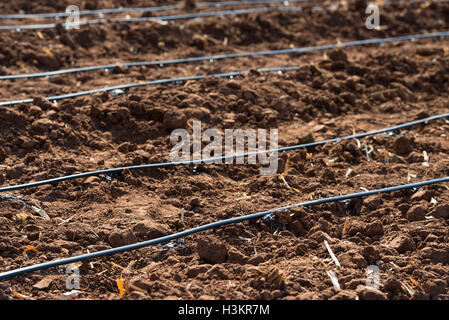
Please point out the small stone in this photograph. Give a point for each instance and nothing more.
(92, 181)
(436, 255)
(441, 211)
(422, 195)
(118, 239)
(405, 93)
(235, 256)
(14, 172)
(392, 285)
(366, 293)
(402, 244)
(218, 272)
(402, 145)
(297, 227)
(416, 213)
(319, 236)
(344, 295)
(141, 284)
(256, 260)
(34, 110)
(352, 259)
(373, 202)
(337, 55)
(374, 229)
(174, 119)
(434, 287)
(306, 139)
(194, 271)
(42, 102)
(195, 202)
(212, 250)
(370, 254)
(125, 147)
(149, 229)
(199, 41)
(199, 113)
(137, 295)
(44, 284)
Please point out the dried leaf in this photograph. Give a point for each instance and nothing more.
(334, 258)
(329, 162)
(334, 280)
(40, 212)
(29, 248)
(409, 290)
(287, 185)
(416, 283)
(121, 287)
(117, 265)
(20, 296)
(47, 51)
(130, 265)
(23, 217)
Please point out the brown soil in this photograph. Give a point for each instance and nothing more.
(334, 93)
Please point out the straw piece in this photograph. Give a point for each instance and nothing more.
(331, 253)
(334, 280)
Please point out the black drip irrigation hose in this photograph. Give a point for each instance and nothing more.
(55, 263)
(153, 82)
(148, 19)
(147, 9)
(209, 160)
(161, 63)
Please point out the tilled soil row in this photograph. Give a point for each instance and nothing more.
(59, 48)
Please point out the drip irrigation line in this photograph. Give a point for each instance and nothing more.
(55, 263)
(147, 19)
(162, 63)
(210, 160)
(147, 9)
(148, 83)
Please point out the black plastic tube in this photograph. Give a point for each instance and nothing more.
(192, 162)
(55, 263)
(147, 9)
(148, 83)
(228, 56)
(147, 19)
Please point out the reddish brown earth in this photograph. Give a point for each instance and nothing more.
(334, 93)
